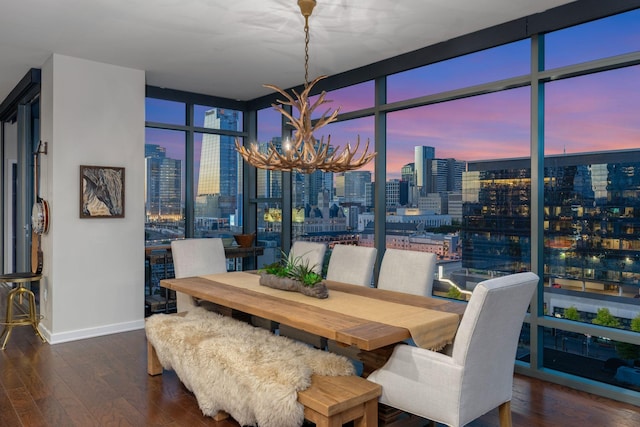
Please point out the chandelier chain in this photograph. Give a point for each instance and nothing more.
(306, 51)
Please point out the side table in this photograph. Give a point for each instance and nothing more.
(20, 319)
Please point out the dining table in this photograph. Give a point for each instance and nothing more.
(371, 319)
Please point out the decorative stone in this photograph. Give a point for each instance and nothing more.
(319, 290)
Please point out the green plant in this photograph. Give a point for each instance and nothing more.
(605, 318)
(635, 323)
(571, 313)
(295, 268)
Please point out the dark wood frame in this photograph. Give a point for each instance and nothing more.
(117, 173)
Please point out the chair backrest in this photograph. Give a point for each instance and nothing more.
(309, 253)
(197, 257)
(487, 338)
(352, 264)
(410, 272)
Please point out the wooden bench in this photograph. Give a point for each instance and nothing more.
(333, 401)
(328, 402)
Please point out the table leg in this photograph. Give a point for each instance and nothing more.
(375, 359)
(372, 360)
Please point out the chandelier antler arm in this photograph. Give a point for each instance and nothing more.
(289, 101)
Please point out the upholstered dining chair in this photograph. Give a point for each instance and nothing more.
(348, 264)
(352, 264)
(410, 272)
(308, 253)
(196, 257)
(478, 374)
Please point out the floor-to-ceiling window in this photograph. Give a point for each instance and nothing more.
(269, 192)
(193, 185)
(592, 201)
(194, 182)
(461, 138)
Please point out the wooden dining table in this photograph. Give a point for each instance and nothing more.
(241, 291)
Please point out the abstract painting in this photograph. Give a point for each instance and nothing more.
(101, 192)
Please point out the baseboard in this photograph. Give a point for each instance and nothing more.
(81, 334)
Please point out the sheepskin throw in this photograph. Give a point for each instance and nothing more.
(245, 371)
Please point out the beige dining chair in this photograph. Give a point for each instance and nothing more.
(405, 271)
(410, 272)
(477, 376)
(348, 264)
(308, 253)
(352, 264)
(196, 257)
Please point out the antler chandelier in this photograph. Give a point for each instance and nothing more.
(305, 153)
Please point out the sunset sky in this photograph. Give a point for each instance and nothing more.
(589, 113)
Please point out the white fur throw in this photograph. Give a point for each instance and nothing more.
(245, 371)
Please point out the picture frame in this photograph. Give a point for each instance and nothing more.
(101, 192)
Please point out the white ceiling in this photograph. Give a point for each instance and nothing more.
(229, 48)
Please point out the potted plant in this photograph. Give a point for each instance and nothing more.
(294, 274)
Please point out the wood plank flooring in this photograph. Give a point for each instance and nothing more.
(103, 382)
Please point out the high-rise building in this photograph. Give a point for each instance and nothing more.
(408, 176)
(446, 175)
(439, 176)
(423, 157)
(163, 192)
(269, 182)
(354, 186)
(392, 193)
(455, 206)
(314, 183)
(218, 183)
(455, 170)
(218, 157)
(591, 222)
(407, 173)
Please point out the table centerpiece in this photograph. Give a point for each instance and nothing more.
(294, 274)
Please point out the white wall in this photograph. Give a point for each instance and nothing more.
(92, 114)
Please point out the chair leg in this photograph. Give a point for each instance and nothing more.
(504, 411)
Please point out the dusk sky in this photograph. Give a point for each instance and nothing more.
(584, 114)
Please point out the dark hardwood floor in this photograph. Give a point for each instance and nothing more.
(103, 382)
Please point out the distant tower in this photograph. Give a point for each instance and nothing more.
(269, 181)
(423, 164)
(218, 157)
(163, 192)
(408, 173)
(219, 179)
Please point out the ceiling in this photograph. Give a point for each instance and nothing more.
(230, 48)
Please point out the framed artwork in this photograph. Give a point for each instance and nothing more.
(101, 192)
